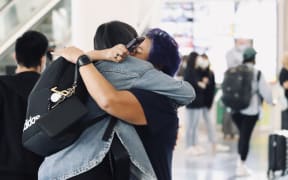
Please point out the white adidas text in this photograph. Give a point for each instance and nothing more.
(29, 122)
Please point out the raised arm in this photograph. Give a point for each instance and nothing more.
(179, 91)
(121, 104)
(154, 80)
(115, 54)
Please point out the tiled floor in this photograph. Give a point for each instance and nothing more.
(220, 166)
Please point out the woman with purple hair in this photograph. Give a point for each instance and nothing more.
(160, 49)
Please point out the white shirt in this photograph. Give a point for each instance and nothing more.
(234, 58)
(261, 88)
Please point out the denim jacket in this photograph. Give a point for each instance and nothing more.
(89, 150)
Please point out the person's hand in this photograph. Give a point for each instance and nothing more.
(285, 85)
(205, 80)
(71, 53)
(274, 102)
(117, 53)
(201, 85)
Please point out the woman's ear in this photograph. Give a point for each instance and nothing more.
(137, 51)
(14, 57)
(43, 63)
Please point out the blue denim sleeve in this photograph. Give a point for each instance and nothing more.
(179, 91)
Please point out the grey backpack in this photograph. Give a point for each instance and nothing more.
(237, 87)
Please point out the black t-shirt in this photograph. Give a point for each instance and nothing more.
(283, 76)
(15, 161)
(159, 135)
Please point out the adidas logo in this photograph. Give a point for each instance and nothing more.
(31, 121)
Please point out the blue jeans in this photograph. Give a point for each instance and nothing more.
(193, 118)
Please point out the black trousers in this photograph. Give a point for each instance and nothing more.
(115, 165)
(284, 119)
(101, 172)
(245, 125)
(17, 177)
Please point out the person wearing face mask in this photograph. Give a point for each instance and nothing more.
(199, 75)
(234, 56)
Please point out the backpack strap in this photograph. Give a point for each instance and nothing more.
(120, 166)
(258, 76)
(109, 129)
(258, 80)
(89, 123)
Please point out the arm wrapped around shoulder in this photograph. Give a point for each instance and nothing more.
(181, 92)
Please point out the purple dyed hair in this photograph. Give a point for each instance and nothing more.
(164, 53)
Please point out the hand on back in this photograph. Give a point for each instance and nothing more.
(115, 54)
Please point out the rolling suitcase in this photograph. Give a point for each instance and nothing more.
(277, 154)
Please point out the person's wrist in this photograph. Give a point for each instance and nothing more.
(83, 60)
(105, 54)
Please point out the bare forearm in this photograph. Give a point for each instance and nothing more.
(98, 87)
(121, 104)
(97, 55)
(117, 53)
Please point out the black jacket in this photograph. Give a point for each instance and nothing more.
(283, 76)
(15, 161)
(204, 97)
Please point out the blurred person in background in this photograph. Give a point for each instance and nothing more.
(283, 79)
(246, 119)
(234, 56)
(16, 163)
(182, 67)
(190, 76)
(200, 76)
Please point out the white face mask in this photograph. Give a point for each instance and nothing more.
(202, 63)
(242, 47)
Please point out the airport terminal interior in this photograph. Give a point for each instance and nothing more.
(211, 27)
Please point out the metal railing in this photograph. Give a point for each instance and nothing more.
(25, 23)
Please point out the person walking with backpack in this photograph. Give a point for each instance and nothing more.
(245, 115)
(17, 163)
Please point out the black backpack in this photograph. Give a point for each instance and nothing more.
(41, 134)
(237, 87)
(48, 130)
